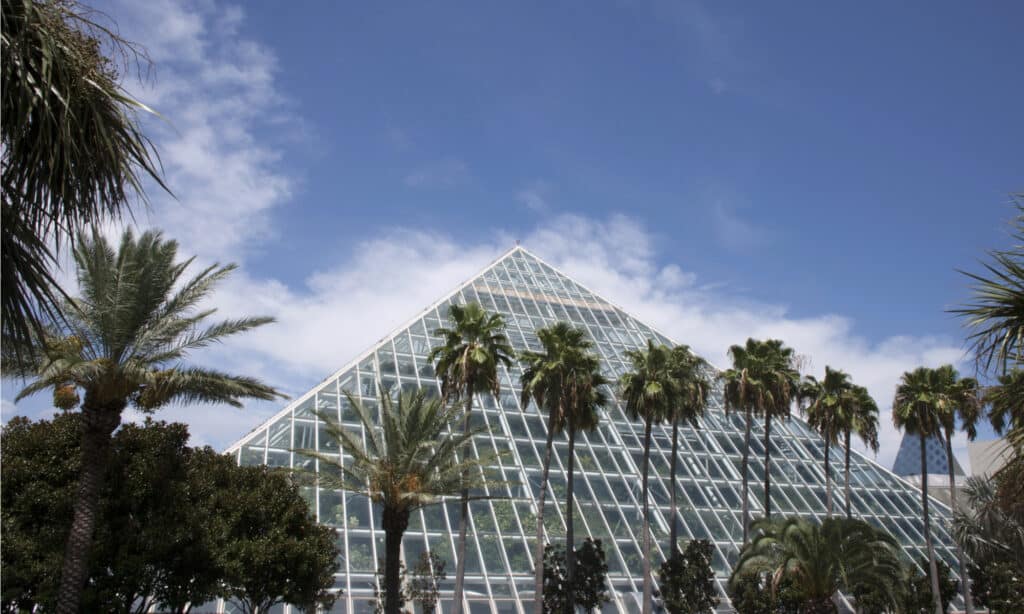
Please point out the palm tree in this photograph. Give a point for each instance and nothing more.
(1006, 407)
(958, 402)
(587, 397)
(409, 461)
(763, 381)
(915, 410)
(861, 419)
(547, 380)
(650, 391)
(122, 343)
(820, 560)
(73, 150)
(827, 403)
(996, 313)
(467, 364)
(694, 385)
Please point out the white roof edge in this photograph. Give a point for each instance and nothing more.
(359, 358)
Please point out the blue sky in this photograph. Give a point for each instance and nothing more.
(719, 169)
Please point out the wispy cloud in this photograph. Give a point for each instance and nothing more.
(444, 173)
(398, 138)
(736, 232)
(708, 41)
(534, 196)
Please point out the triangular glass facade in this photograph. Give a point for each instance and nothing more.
(532, 294)
(908, 458)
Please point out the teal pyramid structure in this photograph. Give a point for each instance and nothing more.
(532, 294)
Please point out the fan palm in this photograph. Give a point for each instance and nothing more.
(1006, 407)
(73, 151)
(996, 313)
(915, 409)
(587, 397)
(820, 560)
(861, 419)
(650, 390)
(958, 402)
(694, 385)
(467, 364)
(762, 381)
(827, 405)
(121, 344)
(412, 459)
(547, 379)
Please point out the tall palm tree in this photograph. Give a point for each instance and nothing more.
(547, 380)
(73, 150)
(122, 343)
(1006, 407)
(650, 391)
(587, 397)
(409, 461)
(467, 364)
(915, 410)
(862, 419)
(694, 385)
(958, 401)
(762, 381)
(826, 406)
(819, 560)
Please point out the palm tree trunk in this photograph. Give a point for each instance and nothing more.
(538, 549)
(965, 583)
(460, 547)
(673, 534)
(570, 544)
(828, 479)
(933, 570)
(767, 465)
(846, 475)
(98, 422)
(395, 524)
(648, 587)
(746, 483)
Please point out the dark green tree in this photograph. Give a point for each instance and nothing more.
(467, 364)
(918, 598)
(687, 580)
(124, 342)
(273, 550)
(754, 593)
(424, 579)
(591, 578)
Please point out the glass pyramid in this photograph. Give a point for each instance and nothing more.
(908, 458)
(532, 294)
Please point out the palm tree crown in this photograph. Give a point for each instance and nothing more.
(828, 408)
(409, 461)
(693, 385)
(467, 361)
(839, 554)
(123, 342)
(557, 380)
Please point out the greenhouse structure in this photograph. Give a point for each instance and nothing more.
(531, 294)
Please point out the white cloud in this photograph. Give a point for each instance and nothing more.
(444, 173)
(535, 196)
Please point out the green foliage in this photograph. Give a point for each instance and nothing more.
(273, 550)
(687, 580)
(590, 589)
(73, 151)
(763, 378)
(991, 531)
(168, 524)
(819, 560)
(423, 584)
(751, 593)
(467, 362)
(918, 596)
(995, 314)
